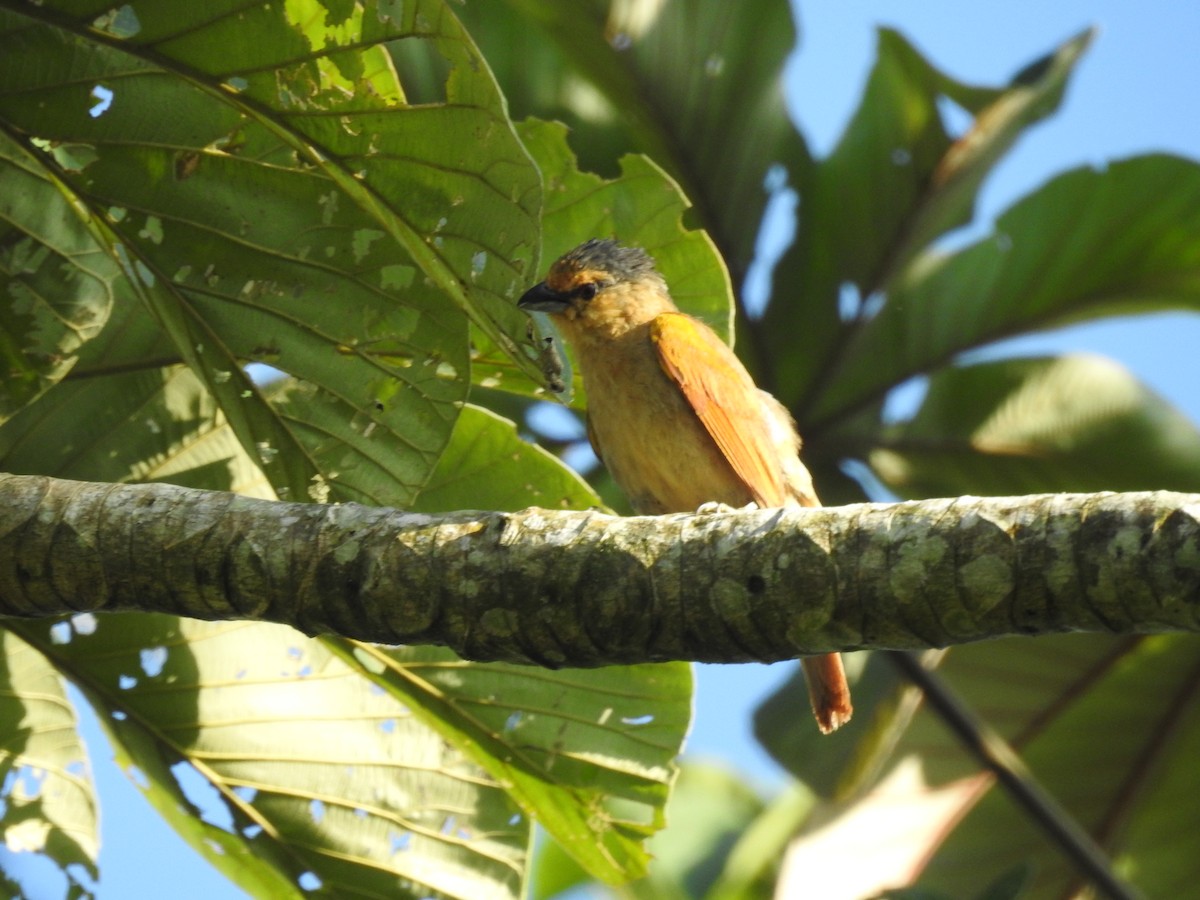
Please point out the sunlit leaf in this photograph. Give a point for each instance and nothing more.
(1090, 243)
(488, 466)
(1026, 426)
(296, 208)
(590, 753)
(897, 179)
(119, 417)
(281, 766)
(49, 803)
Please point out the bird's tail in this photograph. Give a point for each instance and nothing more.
(828, 691)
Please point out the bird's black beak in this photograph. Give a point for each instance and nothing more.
(540, 298)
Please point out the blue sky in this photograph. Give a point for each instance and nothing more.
(1135, 92)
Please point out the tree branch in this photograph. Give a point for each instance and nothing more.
(587, 589)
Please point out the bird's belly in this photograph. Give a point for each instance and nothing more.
(657, 450)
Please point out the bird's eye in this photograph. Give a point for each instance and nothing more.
(586, 291)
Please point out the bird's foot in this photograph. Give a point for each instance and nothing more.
(713, 508)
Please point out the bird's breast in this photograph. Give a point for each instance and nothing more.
(648, 435)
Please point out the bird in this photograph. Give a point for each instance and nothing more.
(672, 412)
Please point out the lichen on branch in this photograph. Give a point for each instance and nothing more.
(561, 588)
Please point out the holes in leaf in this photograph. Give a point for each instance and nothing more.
(423, 71)
(849, 301)
(152, 230)
(24, 783)
(152, 660)
(514, 720)
(104, 98)
(121, 22)
(775, 234)
(316, 811)
(905, 399)
(478, 263)
(309, 881)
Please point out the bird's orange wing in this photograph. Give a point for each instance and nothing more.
(725, 399)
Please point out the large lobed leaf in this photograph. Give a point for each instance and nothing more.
(295, 207)
(1090, 243)
(589, 753)
(896, 180)
(313, 778)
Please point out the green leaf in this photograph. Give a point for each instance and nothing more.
(709, 847)
(1090, 243)
(694, 85)
(55, 276)
(1024, 426)
(708, 814)
(589, 753)
(896, 180)
(49, 802)
(296, 208)
(155, 425)
(118, 417)
(554, 871)
(837, 766)
(307, 769)
(488, 466)
(1095, 718)
(1107, 726)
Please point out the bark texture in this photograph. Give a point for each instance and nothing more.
(587, 589)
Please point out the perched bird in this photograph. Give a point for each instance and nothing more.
(672, 412)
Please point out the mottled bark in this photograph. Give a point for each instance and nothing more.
(587, 589)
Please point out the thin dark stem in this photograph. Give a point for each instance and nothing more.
(995, 754)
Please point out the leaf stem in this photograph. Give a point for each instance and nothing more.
(998, 757)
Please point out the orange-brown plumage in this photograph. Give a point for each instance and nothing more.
(672, 412)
